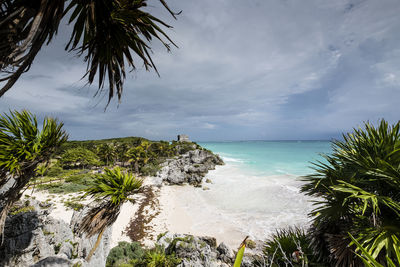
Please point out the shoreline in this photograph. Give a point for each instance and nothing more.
(186, 209)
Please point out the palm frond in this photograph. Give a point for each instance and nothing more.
(114, 186)
(359, 186)
(25, 27)
(23, 146)
(107, 32)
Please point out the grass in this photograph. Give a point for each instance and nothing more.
(70, 181)
(16, 211)
(21, 207)
(73, 205)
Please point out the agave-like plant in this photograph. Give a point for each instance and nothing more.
(23, 146)
(289, 246)
(113, 189)
(106, 32)
(359, 185)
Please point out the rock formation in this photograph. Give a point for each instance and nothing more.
(189, 167)
(33, 238)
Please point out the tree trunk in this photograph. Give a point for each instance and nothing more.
(136, 166)
(95, 245)
(3, 217)
(11, 196)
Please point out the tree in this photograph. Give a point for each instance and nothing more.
(113, 188)
(23, 146)
(121, 150)
(107, 153)
(79, 156)
(359, 185)
(106, 32)
(139, 155)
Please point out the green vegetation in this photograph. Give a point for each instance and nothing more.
(359, 187)
(289, 247)
(68, 181)
(239, 254)
(76, 165)
(73, 205)
(79, 157)
(23, 147)
(133, 255)
(18, 208)
(113, 187)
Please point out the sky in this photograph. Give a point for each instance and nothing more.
(244, 70)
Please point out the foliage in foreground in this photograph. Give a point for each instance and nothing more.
(113, 189)
(108, 33)
(359, 187)
(289, 247)
(23, 147)
(370, 261)
(132, 254)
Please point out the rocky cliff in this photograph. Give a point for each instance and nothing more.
(190, 167)
(33, 238)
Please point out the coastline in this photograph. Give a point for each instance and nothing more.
(186, 209)
(230, 214)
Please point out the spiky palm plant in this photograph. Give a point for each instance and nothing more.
(113, 188)
(109, 33)
(289, 246)
(23, 146)
(359, 185)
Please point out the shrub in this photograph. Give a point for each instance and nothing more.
(359, 187)
(79, 157)
(289, 247)
(123, 253)
(133, 255)
(55, 171)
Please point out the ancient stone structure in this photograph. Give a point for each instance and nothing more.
(183, 138)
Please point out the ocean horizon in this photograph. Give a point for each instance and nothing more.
(267, 157)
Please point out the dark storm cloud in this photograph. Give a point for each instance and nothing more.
(244, 70)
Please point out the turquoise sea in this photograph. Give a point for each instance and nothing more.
(271, 157)
(258, 189)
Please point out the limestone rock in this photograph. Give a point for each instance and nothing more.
(190, 167)
(225, 253)
(35, 239)
(53, 262)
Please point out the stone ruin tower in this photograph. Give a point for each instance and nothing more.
(183, 138)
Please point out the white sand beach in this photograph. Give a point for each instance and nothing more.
(222, 209)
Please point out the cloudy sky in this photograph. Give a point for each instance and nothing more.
(244, 70)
